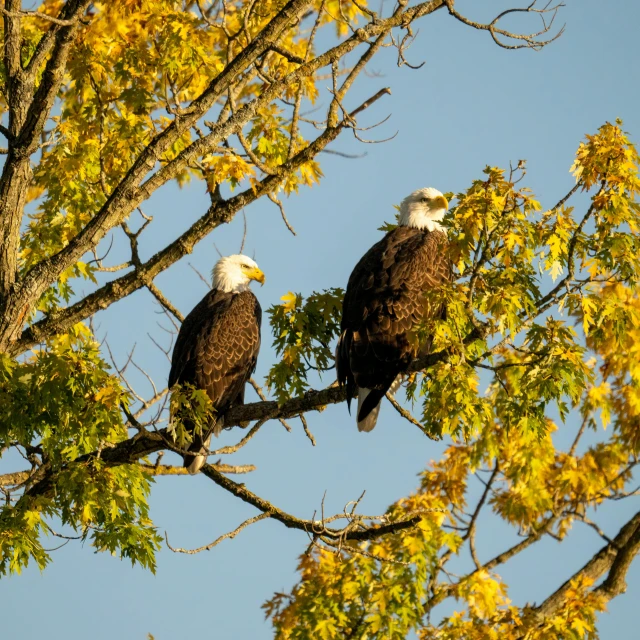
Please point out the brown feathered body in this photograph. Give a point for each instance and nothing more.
(217, 350)
(384, 301)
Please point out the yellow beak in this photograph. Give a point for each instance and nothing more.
(441, 202)
(256, 274)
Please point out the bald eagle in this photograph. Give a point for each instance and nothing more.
(384, 301)
(217, 346)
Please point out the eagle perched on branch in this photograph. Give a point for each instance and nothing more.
(217, 346)
(385, 300)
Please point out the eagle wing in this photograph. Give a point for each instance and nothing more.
(217, 347)
(384, 301)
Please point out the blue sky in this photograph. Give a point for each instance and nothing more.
(470, 105)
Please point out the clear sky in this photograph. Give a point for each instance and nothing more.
(470, 105)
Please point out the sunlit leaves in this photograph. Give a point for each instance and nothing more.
(541, 324)
(191, 413)
(132, 70)
(61, 404)
(65, 397)
(303, 330)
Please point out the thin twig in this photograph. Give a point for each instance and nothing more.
(407, 416)
(39, 14)
(277, 202)
(217, 541)
(258, 389)
(305, 426)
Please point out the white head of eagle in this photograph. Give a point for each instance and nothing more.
(424, 209)
(233, 274)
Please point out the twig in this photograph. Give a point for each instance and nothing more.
(282, 213)
(407, 416)
(207, 282)
(305, 426)
(217, 541)
(258, 389)
(39, 14)
(170, 470)
(244, 231)
(531, 41)
(164, 301)
(235, 447)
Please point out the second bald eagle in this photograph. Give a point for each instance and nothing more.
(217, 346)
(385, 301)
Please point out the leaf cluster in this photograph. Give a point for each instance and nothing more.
(544, 315)
(303, 331)
(57, 406)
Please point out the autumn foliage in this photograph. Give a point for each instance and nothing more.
(546, 314)
(107, 102)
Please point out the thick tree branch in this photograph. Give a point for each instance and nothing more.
(146, 442)
(37, 14)
(128, 194)
(29, 109)
(18, 477)
(613, 559)
(49, 85)
(219, 213)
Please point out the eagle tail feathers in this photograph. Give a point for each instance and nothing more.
(193, 462)
(368, 408)
(369, 401)
(351, 387)
(217, 427)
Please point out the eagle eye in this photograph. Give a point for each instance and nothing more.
(425, 198)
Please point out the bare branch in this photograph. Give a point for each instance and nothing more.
(286, 54)
(282, 213)
(217, 541)
(39, 14)
(169, 470)
(164, 301)
(235, 447)
(207, 282)
(306, 429)
(529, 41)
(258, 389)
(359, 533)
(244, 231)
(407, 416)
(613, 559)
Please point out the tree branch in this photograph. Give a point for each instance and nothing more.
(614, 558)
(29, 109)
(217, 541)
(126, 196)
(530, 41)
(291, 522)
(129, 193)
(23, 13)
(220, 212)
